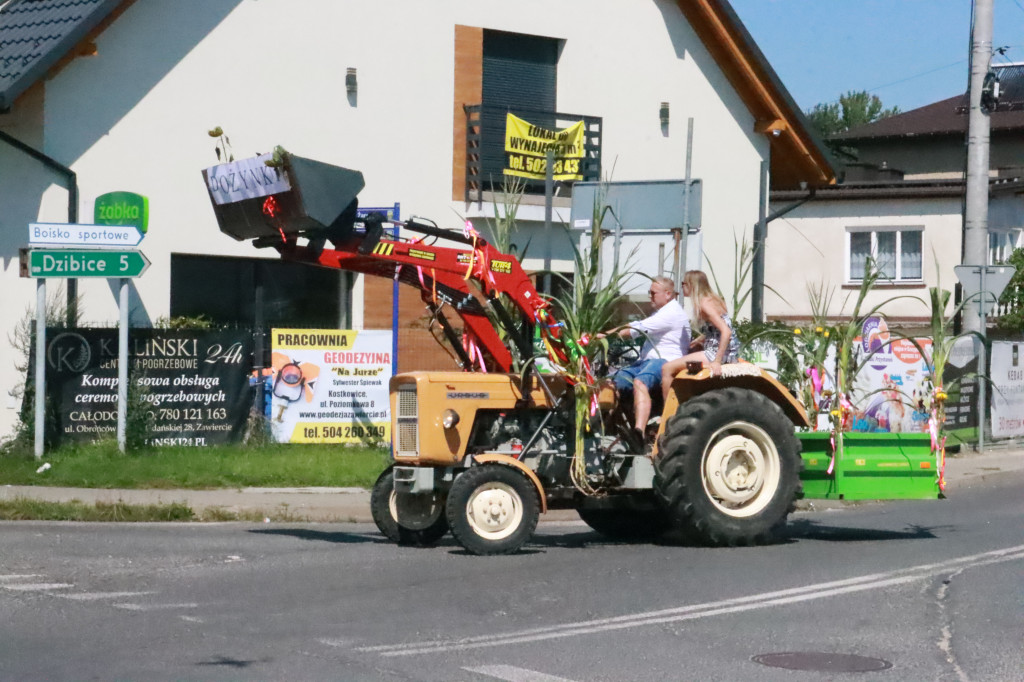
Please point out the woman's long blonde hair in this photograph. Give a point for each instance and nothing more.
(700, 289)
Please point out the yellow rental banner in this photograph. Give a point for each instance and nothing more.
(527, 145)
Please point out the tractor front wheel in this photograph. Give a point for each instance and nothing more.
(492, 509)
(417, 520)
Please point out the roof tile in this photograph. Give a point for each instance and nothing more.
(949, 116)
(35, 34)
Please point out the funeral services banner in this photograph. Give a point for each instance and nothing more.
(193, 383)
(527, 145)
(330, 385)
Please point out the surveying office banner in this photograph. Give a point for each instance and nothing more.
(527, 145)
(1007, 375)
(330, 385)
(193, 382)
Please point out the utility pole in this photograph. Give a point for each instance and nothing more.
(975, 245)
(975, 248)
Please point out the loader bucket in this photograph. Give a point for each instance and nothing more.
(252, 200)
(869, 466)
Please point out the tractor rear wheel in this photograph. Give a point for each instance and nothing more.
(729, 468)
(492, 509)
(416, 520)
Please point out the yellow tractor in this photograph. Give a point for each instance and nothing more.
(482, 454)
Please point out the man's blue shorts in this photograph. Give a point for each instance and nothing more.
(647, 371)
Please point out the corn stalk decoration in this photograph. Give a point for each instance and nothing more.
(587, 308)
(848, 364)
(943, 343)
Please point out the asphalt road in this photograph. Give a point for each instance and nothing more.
(907, 590)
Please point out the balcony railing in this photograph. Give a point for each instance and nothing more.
(485, 146)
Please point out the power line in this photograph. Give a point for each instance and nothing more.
(918, 75)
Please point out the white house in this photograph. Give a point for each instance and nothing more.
(912, 228)
(122, 93)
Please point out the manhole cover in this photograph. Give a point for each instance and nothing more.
(819, 661)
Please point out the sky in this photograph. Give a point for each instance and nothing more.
(908, 52)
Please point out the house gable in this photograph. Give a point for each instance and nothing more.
(797, 156)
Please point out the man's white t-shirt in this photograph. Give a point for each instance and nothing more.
(668, 332)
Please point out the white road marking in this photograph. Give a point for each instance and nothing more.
(154, 607)
(37, 587)
(511, 673)
(191, 619)
(335, 642)
(17, 576)
(96, 596)
(691, 612)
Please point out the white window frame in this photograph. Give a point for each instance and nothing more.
(855, 278)
(1002, 243)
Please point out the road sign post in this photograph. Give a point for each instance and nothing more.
(983, 285)
(40, 402)
(70, 263)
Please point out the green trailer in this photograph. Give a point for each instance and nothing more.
(869, 466)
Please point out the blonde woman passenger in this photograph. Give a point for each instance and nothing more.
(718, 343)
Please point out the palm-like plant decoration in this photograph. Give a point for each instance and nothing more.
(806, 349)
(743, 264)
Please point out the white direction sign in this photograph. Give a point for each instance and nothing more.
(92, 236)
(996, 278)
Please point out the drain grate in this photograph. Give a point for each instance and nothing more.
(820, 661)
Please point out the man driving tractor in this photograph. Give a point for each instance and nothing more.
(666, 337)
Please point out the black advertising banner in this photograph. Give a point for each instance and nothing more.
(194, 382)
(961, 379)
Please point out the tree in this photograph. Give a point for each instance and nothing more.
(1013, 296)
(854, 108)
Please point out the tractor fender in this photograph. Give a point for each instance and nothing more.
(742, 375)
(516, 464)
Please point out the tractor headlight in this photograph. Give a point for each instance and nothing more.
(449, 419)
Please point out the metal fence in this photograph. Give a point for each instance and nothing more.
(485, 146)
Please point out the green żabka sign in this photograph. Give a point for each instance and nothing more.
(77, 263)
(122, 208)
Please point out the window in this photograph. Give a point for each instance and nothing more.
(1001, 244)
(224, 289)
(520, 75)
(896, 251)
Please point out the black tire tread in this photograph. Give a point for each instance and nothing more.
(387, 524)
(677, 480)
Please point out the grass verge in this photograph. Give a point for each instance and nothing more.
(102, 465)
(25, 509)
(22, 509)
